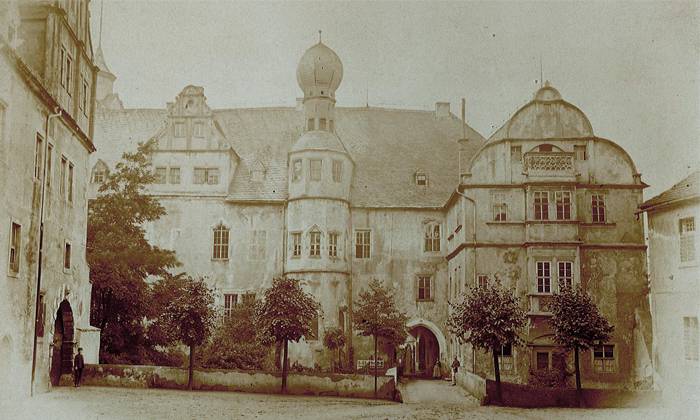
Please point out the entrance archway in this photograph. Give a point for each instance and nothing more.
(427, 351)
(62, 356)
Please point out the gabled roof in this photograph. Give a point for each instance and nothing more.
(687, 189)
(387, 146)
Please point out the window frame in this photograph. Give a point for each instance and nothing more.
(49, 165)
(63, 172)
(315, 169)
(221, 244)
(541, 205)
(14, 265)
(230, 303)
(563, 203)
(499, 207)
(570, 278)
(598, 208)
(482, 280)
(297, 172)
(691, 340)
(421, 179)
(161, 175)
(333, 244)
(38, 157)
(424, 284)
(432, 237)
(296, 244)
(606, 364)
(516, 154)
(543, 282)
(179, 129)
(686, 240)
(365, 245)
(71, 171)
(67, 256)
(171, 178)
(506, 363)
(315, 243)
(337, 170)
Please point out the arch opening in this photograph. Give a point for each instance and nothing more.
(62, 353)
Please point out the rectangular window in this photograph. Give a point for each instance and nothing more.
(316, 166)
(212, 176)
(67, 257)
(315, 249)
(598, 208)
(544, 277)
(38, 157)
(221, 241)
(337, 170)
(516, 153)
(160, 175)
(310, 124)
(566, 277)
(542, 360)
(82, 103)
(69, 74)
(296, 170)
(690, 337)
(333, 244)
(62, 57)
(64, 164)
(296, 244)
(499, 207)
(541, 205)
(322, 124)
(362, 244)
(604, 358)
(482, 280)
(15, 244)
(421, 179)
(70, 182)
(49, 165)
(580, 152)
(174, 175)
(199, 129)
(179, 129)
(686, 229)
(505, 359)
(563, 199)
(230, 302)
(424, 292)
(200, 175)
(431, 240)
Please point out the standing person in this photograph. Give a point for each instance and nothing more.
(78, 365)
(437, 370)
(455, 368)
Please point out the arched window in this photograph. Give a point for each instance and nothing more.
(221, 243)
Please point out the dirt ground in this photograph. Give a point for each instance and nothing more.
(122, 403)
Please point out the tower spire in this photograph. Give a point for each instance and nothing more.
(102, 5)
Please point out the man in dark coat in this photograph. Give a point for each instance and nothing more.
(78, 365)
(455, 368)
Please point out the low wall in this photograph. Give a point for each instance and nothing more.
(357, 386)
(516, 395)
(474, 385)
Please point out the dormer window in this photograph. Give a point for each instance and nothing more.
(99, 172)
(421, 178)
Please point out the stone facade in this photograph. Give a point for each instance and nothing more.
(46, 108)
(548, 202)
(675, 300)
(337, 197)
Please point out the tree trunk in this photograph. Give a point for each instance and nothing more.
(191, 370)
(578, 377)
(375, 366)
(285, 368)
(497, 370)
(278, 355)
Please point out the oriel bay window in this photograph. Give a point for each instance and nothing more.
(221, 243)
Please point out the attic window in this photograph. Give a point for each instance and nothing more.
(421, 179)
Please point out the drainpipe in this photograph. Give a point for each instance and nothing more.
(49, 117)
(475, 257)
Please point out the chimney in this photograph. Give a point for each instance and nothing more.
(442, 110)
(300, 104)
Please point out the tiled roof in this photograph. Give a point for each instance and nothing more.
(388, 146)
(687, 188)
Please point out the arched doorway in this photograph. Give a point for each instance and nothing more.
(427, 351)
(62, 355)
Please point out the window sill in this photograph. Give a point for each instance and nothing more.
(424, 300)
(220, 260)
(602, 225)
(13, 274)
(316, 257)
(67, 270)
(296, 257)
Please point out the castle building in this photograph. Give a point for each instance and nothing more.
(336, 197)
(47, 81)
(674, 269)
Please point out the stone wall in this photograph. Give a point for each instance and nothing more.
(475, 385)
(355, 386)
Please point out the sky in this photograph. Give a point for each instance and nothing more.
(632, 67)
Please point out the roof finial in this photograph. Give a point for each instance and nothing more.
(319, 36)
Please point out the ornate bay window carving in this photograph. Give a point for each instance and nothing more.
(549, 164)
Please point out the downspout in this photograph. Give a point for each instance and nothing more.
(475, 257)
(49, 117)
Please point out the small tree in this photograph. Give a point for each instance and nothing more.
(285, 314)
(189, 317)
(577, 324)
(333, 339)
(376, 315)
(488, 317)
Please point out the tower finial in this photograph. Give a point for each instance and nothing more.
(319, 36)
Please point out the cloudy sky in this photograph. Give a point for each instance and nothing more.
(632, 67)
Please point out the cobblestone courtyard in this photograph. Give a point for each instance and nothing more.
(121, 403)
